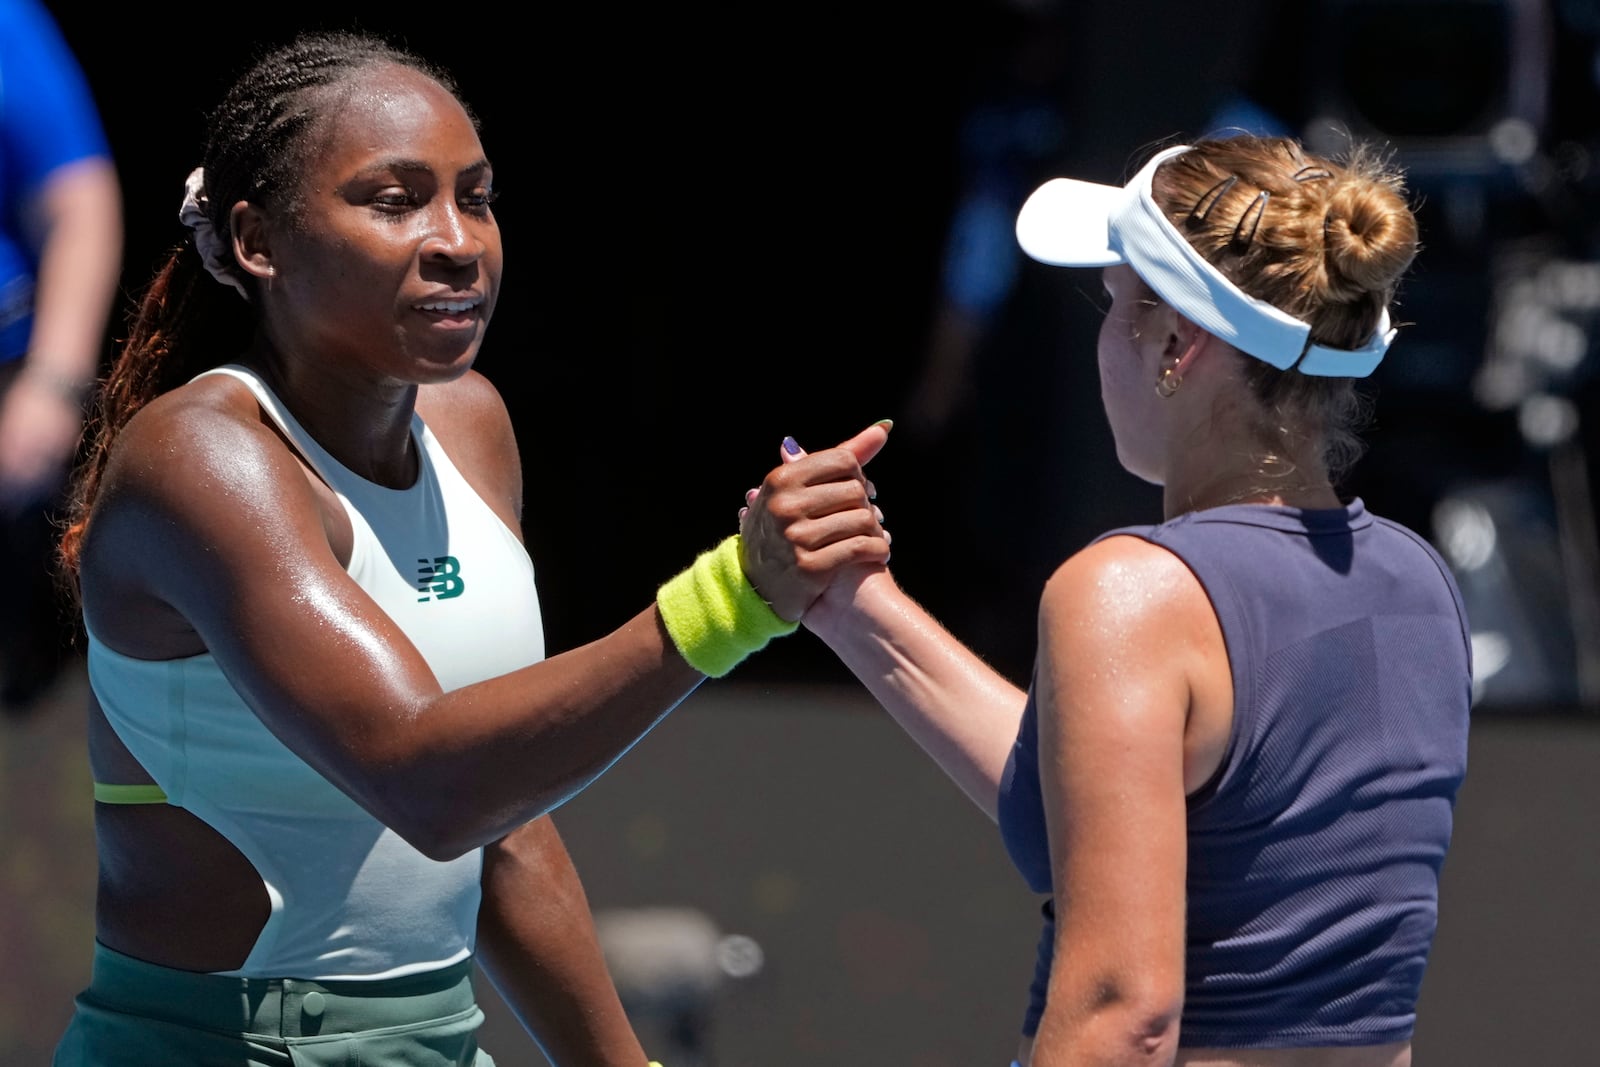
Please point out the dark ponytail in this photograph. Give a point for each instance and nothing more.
(185, 323)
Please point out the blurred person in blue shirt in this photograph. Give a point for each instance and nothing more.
(60, 260)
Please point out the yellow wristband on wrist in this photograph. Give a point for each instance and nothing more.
(714, 615)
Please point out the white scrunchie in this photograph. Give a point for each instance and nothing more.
(217, 256)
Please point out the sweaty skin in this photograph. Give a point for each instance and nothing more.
(373, 298)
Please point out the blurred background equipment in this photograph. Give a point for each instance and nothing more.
(1486, 435)
(671, 966)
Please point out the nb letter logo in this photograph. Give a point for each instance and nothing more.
(439, 578)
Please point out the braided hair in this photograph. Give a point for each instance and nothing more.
(257, 148)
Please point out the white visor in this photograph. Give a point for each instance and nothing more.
(1071, 223)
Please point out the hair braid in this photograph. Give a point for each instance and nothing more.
(185, 323)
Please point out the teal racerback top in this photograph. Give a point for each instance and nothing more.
(349, 898)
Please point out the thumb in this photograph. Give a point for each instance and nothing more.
(869, 442)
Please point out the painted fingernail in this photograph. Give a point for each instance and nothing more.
(887, 424)
(791, 446)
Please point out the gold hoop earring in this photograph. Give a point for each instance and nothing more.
(1167, 385)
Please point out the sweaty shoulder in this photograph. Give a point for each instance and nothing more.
(196, 486)
(1122, 585)
(202, 440)
(1128, 628)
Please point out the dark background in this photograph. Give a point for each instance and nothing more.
(727, 226)
(722, 228)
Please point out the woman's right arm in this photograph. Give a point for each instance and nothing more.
(206, 522)
(961, 711)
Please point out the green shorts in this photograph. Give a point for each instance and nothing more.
(135, 1014)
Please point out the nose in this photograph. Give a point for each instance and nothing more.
(452, 237)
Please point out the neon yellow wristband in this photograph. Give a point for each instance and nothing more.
(714, 615)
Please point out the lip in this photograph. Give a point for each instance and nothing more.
(451, 308)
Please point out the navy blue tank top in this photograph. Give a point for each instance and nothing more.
(1315, 850)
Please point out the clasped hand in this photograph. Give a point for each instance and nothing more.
(811, 519)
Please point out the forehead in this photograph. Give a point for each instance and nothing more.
(389, 111)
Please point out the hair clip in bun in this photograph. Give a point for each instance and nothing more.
(1084, 224)
(1312, 173)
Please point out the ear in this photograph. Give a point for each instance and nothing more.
(1185, 342)
(252, 245)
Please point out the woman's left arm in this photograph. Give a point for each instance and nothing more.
(536, 935)
(537, 943)
(75, 222)
(1123, 628)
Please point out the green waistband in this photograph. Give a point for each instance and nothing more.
(286, 1007)
(148, 793)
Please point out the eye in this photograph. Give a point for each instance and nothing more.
(393, 199)
(478, 200)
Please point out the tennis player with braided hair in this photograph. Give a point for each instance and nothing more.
(1235, 768)
(324, 729)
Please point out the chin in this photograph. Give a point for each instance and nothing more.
(435, 367)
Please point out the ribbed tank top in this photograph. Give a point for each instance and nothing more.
(1315, 851)
(349, 898)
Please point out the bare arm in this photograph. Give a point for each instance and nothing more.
(75, 222)
(1124, 630)
(961, 711)
(334, 678)
(537, 943)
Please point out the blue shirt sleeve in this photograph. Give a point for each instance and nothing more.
(48, 116)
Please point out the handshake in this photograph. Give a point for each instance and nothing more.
(808, 533)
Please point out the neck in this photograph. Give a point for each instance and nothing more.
(364, 423)
(1259, 489)
(1211, 474)
(1224, 451)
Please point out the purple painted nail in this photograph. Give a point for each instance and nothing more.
(791, 446)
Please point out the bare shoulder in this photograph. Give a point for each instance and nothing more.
(198, 441)
(1124, 574)
(197, 488)
(1123, 589)
(471, 398)
(469, 419)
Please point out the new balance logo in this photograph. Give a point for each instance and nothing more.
(439, 578)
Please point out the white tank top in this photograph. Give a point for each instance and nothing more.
(349, 898)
